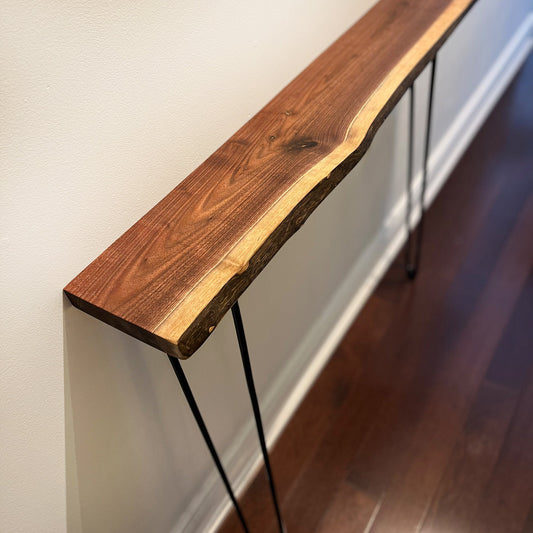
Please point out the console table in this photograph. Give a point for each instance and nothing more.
(170, 279)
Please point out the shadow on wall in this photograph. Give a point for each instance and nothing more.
(124, 471)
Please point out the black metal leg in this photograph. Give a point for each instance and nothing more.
(409, 266)
(412, 266)
(203, 429)
(239, 328)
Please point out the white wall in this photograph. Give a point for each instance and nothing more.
(105, 107)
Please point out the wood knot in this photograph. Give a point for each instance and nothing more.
(300, 144)
(299, 221)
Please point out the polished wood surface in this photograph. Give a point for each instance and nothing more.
(422, 421)
(172, 276)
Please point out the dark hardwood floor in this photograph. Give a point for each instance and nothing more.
(422, 421)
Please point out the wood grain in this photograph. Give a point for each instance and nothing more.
(173, 275)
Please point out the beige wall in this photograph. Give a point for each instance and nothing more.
(105, 106)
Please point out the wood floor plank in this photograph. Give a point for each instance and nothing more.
(507, 500)
(512, 360)
(344, 429)
(472, 461)
(433, 328)
(331, 455)
(350, 510)
(528, 526)
(414, 484)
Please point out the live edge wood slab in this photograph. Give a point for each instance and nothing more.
(172, 276)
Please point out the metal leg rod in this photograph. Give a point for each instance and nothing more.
(203, 429)
(426, 156)
(239, 328)
(412, 267)
(409, 266)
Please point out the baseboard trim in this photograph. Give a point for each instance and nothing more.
(210, 506)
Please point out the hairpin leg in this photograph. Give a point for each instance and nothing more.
(239, 328)
(412, 265)
(409, 267)
(203, 429)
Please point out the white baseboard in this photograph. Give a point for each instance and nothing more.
(210, 505)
